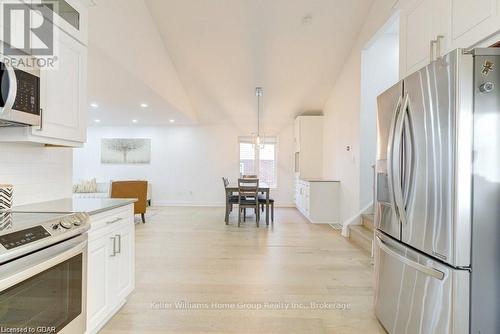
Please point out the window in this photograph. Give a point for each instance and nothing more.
(255, 160)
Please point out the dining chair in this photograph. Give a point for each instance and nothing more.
(248, 198)
(231, 200)
(263, 202)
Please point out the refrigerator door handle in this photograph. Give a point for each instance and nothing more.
(429, 271)
(395, 163)
(390, 155)
(409, 155)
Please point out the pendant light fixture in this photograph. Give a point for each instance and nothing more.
(258, 138)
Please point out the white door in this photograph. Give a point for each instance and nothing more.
(63, 93)
(472, 21)
(97, 283)
(421, 22)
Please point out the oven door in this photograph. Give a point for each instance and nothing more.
(45, 292)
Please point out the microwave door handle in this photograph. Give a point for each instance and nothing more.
(12, 89)
(390, 155)
(40, 128)
(20, 270)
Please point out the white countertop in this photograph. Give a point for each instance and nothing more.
(91, 206)
(317, 180)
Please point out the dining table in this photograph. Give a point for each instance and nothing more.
(232, 188)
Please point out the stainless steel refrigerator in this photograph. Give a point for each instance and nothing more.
(437, 208)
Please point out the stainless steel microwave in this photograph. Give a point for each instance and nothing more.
(19, 96)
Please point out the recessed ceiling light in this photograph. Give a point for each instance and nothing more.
(172, 121)
(97, 120)
(134, 121)
(94, 105)
(144, 105)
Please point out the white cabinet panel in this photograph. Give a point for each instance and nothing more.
(97, 301)
(420, 23)
(473, 21)
(125, 262)
(63, 93)
(309, 144)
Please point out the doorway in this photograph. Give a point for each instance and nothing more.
(379, 71)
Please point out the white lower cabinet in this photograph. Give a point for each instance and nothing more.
(111, 254)
(318, 200)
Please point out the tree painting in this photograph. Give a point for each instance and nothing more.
(125, 151)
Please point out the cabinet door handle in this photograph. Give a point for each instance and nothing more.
(119, 243)
(114, 221)
(439, 38)
(432, 55)
(114, 246)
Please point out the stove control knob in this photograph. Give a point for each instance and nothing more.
(65, 224)
(77, 222)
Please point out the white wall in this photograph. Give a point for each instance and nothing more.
(187, 162)
(38, 173)
(342, 117)
(380, 70)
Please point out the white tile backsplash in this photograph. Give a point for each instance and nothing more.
(38, 173)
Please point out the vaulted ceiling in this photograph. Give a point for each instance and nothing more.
(218, 51)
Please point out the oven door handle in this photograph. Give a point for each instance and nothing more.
(23, 268)
(12, 89)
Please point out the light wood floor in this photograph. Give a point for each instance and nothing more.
(188, 254)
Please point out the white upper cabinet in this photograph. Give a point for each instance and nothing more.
(432, 28)
(309, 146)
(63, 94)
(422, 22)
(473, 21)
(63, 88)
(70, 16)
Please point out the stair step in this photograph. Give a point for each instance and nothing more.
(367, 220)
(361, 236)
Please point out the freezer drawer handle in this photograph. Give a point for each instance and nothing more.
(420, 267)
